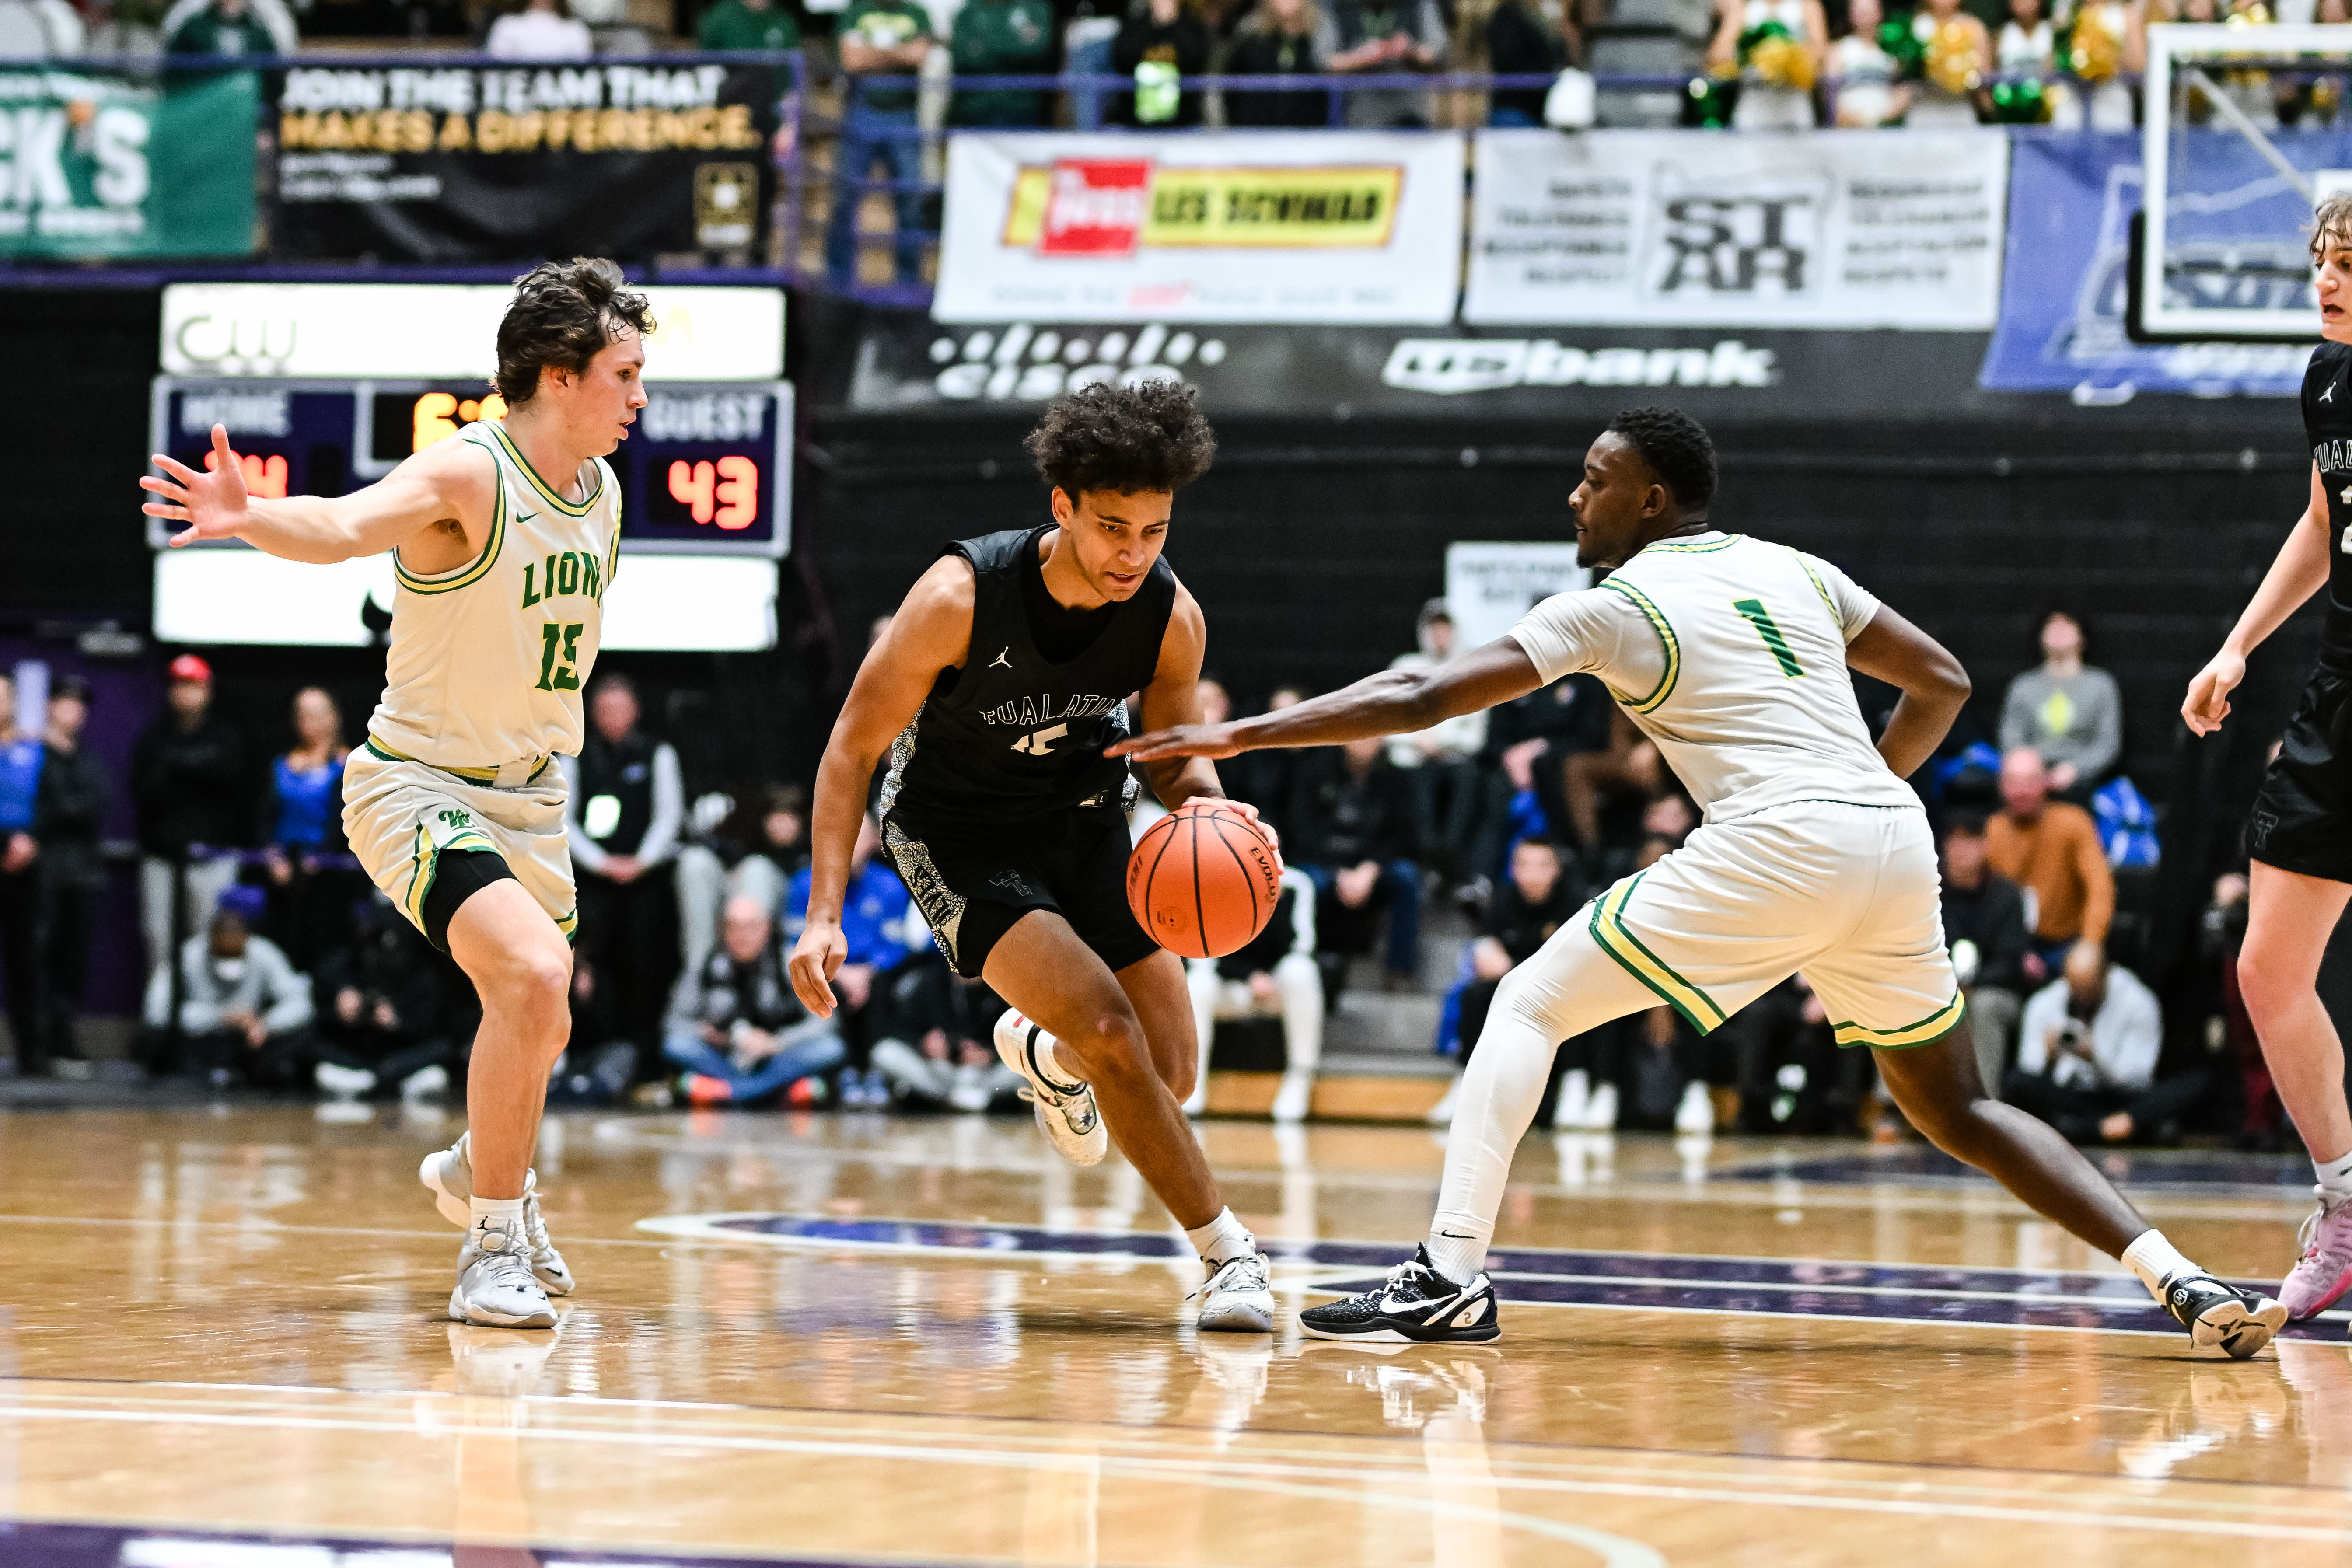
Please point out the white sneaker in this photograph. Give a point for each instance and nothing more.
(448, 1176)
(1295, 1098)
(1066, 1111)
(1442, 1113)
(1601, 1111)
(1575, 1094)
(1238, 1297)
(496, 1289)
(426, 1083)
(1695, 1117)
(342, 1082)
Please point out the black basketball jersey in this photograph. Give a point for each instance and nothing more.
(2328, 421)
(1011, 736)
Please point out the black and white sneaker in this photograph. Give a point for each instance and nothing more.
(1417, 1306)
(2222, 1317)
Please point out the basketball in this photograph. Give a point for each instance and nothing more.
(1204, 881)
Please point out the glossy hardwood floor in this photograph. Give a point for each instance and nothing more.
(221, 1342)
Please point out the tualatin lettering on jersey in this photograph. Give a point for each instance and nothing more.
(1040, 710)
(560, 575)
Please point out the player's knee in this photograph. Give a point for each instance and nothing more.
(1181, 1078)
(2268, 987)
(534, 989)
(1114, 1046)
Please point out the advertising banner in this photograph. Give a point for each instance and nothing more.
(2071, 196)
(469, 163)
(97, 163)
(1322, 226)
(1489, 586)
(1836, 228)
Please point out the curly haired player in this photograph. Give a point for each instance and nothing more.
(996, 691)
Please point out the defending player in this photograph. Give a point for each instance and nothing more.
(998, 686)
(2300, 835)
(455, 804)
(1732, 654)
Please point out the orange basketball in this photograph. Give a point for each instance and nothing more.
(1204, 880)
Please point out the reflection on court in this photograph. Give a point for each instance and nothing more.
(849, 1339)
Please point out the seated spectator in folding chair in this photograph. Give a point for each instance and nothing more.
(736, 1027)
(379, 1008)
(1274, 976)
(935, 1041)
(244, 1013)
(2088, 1055)
(1542, 894)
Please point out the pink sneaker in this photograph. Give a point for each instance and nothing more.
(2325, 1272)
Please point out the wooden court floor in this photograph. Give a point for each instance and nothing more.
(856, 1339)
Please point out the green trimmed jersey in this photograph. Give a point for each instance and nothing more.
(1729, 654)
(732, 24)
(486, 661)
(886, 25)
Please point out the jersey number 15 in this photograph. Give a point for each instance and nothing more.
(555, 637)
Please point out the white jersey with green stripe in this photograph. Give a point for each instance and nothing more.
(486, 661)
(1729, 653)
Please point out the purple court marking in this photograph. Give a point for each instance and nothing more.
(114, 1546)
(2188, 1172)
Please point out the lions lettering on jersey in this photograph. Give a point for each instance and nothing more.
(560, 575)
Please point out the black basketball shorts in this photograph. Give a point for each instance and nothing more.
(972, 884)
(2301, 819)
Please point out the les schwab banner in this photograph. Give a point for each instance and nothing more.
(465, 163)
(1327, 226)
(98, 163)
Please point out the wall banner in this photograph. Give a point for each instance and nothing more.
(1335, 227)
(100, 164)
(459, 164)
(1837, 229)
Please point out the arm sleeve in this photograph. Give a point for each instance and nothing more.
(1852, 603)
(660, 842)
(2106, 741)
(2098, 882)
(1597, 631)
(586, 853)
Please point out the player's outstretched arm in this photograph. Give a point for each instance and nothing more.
(2295, 576)
(1393, 703)
(448, 484)
(931, 632)
(1933, 684)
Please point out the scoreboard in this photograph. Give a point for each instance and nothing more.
(707, 468)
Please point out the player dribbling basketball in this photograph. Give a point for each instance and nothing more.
(996, 691)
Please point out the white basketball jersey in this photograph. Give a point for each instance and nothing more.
(486, 661)
(1729, 653)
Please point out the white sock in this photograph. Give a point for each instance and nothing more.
(2335, 1180)
(1221, 1238)
(1457, 1244)
(506, 1212)
(2155, 1261)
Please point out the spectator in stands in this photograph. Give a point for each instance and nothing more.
(1281, 37)
(1553, 765)
(379, 1009)
(934, 1039)
(1777, 47)
(1866, 91)
(219, 27)
(1792, 1076)
(1542, 891)
(1002, 38)
(747, 25)
(2026, 46)
(752, 850)
(2052, 850)
(1158, 41)
(1261, 778)
(301, 822)
(1388, 38)
(1984, 921)
(32, 29)
(1520, 40)
(67, 814)
(627, 804)
(879, 38)
(244, 1013)
(1956, 49)
(1274, 976)
(21, 759)
(737, 1029)
(275, 17)
(2068, 713)
(2087, 1054)
(1441, 763)
(188, 782)
(882, 931)
(1350, 828)
(542, 30)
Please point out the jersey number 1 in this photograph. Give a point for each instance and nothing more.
(1754, 610)
(554, 677)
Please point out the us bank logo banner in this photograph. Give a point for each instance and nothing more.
(1341, 228)
(99, 165)
(1840, 230)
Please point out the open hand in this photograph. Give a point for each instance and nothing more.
(212, 504)
(2208, 702)
(817, 958)
(1212, 741)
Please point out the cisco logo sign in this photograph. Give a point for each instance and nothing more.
(1447, 366)
(1022, 364)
